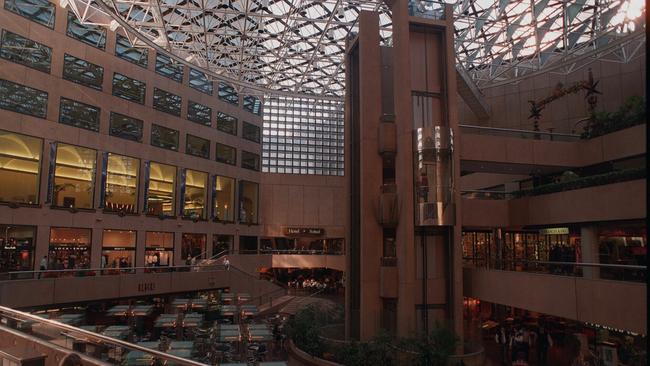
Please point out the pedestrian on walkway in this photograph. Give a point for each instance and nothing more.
(226, 263)
(43, 265)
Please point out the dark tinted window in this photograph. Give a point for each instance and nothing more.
(167, 68)
(79, 114)
(253, 104)
(226, 123)
(250, 160)
(23, 99)
(199, 113)
(82, 72)
(93, 35)
(250, 132)
(164, 137)
(129, 89)
(19, 49)
(199, 81)
(124, 50)
(227, 93)
(197, 146)
(226, 154)
(39, 11)
(167, 102)
(125, 127)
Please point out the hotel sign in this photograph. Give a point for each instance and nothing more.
(303, 231)
(554, 231)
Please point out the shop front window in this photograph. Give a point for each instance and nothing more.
(20, 168)
(224, 201)
(195, 193)
(222, 244)
(16, 250)
(248, 245)
(159, 249)
(161, 189)
(121, 190)
(74, 177)
(193, 246)
(69, 249)
(248, 201)
(118, 251)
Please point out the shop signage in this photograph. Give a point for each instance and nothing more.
(554, 231)
(307, 231)
(146, 287)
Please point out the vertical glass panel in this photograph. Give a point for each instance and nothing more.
(23, 99)
(17, 249)
(121, 188)
(20, 167)
(74, 177)
(93, 35)
(250, 160)
(129, 89)
(251, 132)
(248, 202)
(39, 11)
(82, 72)
(164, 137)
(253, 104)
(224, 203)
(228, 94)
(24, 51)
(226, 154)
(199, 81)
(118, 250)
(136, 55)
(193, 246)
(161, 188)
(199, 113)
(79, 114)
(166, 67)
(126, 127)
(195, 194)
(197, 146)
(69, 249)
(222, 243)
(167, 102)
(159, 249)
(226, 123)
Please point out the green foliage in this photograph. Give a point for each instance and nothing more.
(434, 349)
(377, 352)
(304, 329)
(631, 113)
(584, 182)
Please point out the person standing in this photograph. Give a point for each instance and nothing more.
(544, 342)
(501, 339)
(226, 263)
(43, 265)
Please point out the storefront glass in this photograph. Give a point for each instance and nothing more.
(118, 250)
(161, 189)
(195, 193)
(74, 177)
(69, 249)
(224, 201)
(159, 249)
(20, 168)
(193, 246)
(626, 245)
(222, 243)
(17, 248)
(121, 191)
(248, 202)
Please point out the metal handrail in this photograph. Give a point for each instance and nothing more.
(106, 269)
(301, 251)
(17, 315)
(577, 264)
(530, 132)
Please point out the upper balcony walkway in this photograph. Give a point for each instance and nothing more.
(486, 149)
(617, 304)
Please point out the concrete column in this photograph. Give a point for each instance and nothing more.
(140, 243)
(589, 249)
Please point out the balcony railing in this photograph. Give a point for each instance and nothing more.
(522, 134)
(605, 271)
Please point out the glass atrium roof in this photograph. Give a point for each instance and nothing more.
(298, 46)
